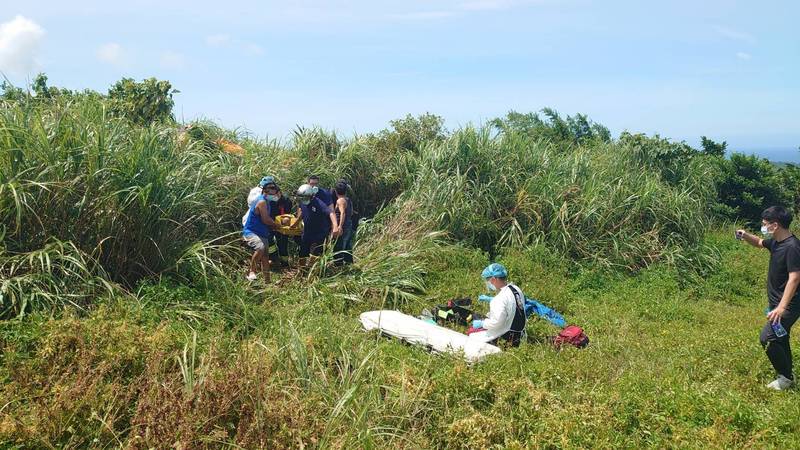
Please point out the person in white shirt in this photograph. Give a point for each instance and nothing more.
(506, 319)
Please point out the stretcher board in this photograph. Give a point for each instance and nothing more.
(426, 334)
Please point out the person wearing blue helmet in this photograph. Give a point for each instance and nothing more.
(506, 319)
(255, 193)
(257, 231)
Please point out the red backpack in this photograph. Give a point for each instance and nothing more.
(572, 335)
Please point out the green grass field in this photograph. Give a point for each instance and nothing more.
(673, 362)
(126, 321)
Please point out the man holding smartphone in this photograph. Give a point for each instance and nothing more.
(783, 278)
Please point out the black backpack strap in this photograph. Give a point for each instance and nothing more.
(519, 314)
(518, 299)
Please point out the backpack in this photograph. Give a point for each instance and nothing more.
(572, 335)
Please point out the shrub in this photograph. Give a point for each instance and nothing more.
(145, 102)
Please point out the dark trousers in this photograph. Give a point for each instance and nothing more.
(343, 249)
(311, 246)
(778, 349)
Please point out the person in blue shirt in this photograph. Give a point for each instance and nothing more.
(319, 222)
(322, 193)
(257, 231)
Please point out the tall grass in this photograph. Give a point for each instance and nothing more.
(143, 201)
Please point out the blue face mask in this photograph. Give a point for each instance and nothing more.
(490, 286)
(272, 198)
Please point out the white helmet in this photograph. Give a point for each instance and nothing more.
(307, 190)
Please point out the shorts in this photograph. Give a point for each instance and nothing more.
(256, 242)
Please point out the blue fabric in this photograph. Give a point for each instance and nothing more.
(534, 307)
(316, 220)
(325, 195)
(254, 225)
(477, 324)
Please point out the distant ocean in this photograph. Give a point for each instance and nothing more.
(774, 154)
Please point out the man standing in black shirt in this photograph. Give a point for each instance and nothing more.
(783, 278)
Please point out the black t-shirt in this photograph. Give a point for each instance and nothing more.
(784, 258)
(282, 206)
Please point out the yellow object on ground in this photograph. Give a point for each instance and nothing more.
(286, 225)
(230, 147)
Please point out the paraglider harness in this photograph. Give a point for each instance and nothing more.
(455, 311)
(514, 335)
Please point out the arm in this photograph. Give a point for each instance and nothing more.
(335, 229)
(263, 213)
(341, 205)
(299, 218)
(751, 239)
(775, 315)
(497, 311)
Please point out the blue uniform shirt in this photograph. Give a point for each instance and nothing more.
(316, 220)
(325, 195)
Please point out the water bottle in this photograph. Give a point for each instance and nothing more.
(777, 328)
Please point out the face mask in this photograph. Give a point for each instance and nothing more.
(305, 202)
(272, 198)
(765, 231)
(490, 286)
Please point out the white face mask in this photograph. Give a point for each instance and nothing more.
(765, 231)
(490, 286)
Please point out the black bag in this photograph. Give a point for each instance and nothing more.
(455, 311)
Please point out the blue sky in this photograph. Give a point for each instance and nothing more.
(724, 69)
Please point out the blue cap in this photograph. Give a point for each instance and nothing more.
(266, 180)
(494, 270)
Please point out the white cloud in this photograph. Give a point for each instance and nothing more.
(111, 53)
(173, 60)
(743, 56)
(218, 40)
(735, 35)
(20, 39)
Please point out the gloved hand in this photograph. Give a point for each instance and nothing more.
(477, 324)
(485, 298)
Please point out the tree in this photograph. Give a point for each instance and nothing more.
(411, 132)
(713, 148)
(145, 102)
(750, 184)
(570, 130)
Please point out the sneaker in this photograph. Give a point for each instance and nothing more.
(781, 383)
(252, 276)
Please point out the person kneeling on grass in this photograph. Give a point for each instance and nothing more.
(506, 319)
(258, 231)
(319, 222)
(783, 277)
